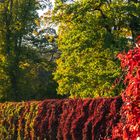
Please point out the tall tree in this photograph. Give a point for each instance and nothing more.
(91, 33)
(26, 69)
(17, 19)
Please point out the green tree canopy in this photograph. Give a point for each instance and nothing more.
(91, 33)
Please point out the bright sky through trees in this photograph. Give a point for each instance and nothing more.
(42, 11)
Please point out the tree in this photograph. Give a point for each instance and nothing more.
(26, 72)
(41, 52)
(16, 21)
(91, 33)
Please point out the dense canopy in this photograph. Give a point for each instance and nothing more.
(91, 33)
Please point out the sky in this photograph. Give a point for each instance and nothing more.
(41, 12)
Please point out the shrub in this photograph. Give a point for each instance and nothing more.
(129, 125)
(59, 119)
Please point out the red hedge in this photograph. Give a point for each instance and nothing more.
(70, 119)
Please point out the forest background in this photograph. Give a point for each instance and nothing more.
(68, 52)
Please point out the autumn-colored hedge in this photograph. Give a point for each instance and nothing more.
(67, 119)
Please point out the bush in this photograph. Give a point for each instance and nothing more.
(129, 125)
(60, 119)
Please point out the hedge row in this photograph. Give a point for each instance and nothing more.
(69, 119)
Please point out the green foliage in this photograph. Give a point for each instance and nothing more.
(17, 21)
(91, 33)
(25, 66)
